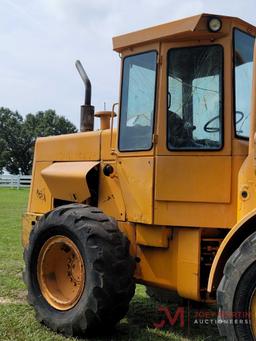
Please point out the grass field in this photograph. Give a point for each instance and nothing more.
(17, 321)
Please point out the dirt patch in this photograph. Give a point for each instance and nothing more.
(22, 296)
(4, 300)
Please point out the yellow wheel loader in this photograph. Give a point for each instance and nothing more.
(166, 199)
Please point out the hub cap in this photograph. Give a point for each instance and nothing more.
(60, 272)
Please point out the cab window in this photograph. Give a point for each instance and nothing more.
(138, 102)
(243, 65)
(195, 100)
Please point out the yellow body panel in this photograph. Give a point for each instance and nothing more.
(136, 180)
(184, 29)
(188, 263)
(193, 179)
(165, 31)
(67, 180)
(110, 196)
(40, 195)
(199, 214)
(28, 221)
(157, 236)
(72, 147)
(158, 266)
(246, 184)
(176, 267)
(106, 148)
(129, 229)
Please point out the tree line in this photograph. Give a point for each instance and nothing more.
(18, 136)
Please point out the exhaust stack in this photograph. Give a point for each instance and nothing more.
(87, 110)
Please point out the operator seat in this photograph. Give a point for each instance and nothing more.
(179, 132)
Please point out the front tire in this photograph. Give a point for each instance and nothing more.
(236, 294)
(78, 270)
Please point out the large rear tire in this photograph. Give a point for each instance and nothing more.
(236, 294)
(78, 270)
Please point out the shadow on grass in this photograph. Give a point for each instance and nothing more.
(144, 313)
(18, 323)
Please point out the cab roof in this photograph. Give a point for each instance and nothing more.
(179, 29)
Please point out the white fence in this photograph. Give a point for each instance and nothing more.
(15, 181)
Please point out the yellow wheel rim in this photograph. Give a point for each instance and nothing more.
(253, 313)
(61, 272)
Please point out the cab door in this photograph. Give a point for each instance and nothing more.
(135, 152)
(193, 158)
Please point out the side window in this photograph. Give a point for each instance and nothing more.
(243, 67)
(195, 98)
(138, 102)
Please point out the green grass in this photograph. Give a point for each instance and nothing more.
(17, 320)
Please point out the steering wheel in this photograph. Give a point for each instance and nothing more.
(241, 116)
(215, 129)
(211, 129)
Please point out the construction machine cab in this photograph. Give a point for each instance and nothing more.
(186, 97)
(195, 58)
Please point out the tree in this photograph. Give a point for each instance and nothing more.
(2, 149)
(18, 136)
(10, 133)
(46, 123)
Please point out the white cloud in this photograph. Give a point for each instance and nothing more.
(40, 41)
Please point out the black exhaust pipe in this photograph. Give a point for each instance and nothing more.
(87, 110)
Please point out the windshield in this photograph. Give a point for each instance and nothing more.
(243, 65)
(195, 98)
(138, 102)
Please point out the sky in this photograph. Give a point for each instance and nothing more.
(40, 41)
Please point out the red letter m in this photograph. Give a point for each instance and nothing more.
(172, 319)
